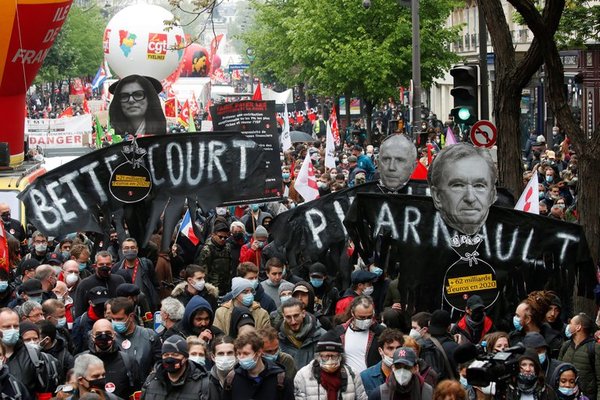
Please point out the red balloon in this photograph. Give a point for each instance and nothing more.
(195, 61)
(216, 62)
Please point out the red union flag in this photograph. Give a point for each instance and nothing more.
(306, 183)
(157, 46)
(184, 115)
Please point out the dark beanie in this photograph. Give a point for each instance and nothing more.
(27, 326)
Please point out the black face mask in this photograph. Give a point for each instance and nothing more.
(103, 272)
(238, 236)
(5, 217)
(99, 383)
(477, 315)
(103, 341)
(99, 310)
(171, 364)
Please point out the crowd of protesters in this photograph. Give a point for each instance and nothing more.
(227, 318)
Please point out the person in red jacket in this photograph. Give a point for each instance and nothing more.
(253, 251)
(474, 325)
(362, 284)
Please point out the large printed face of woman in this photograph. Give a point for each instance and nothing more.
(133, 100)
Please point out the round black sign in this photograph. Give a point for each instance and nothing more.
(129, 184)
(467, 277)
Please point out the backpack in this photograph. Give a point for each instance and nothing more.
(46, 369)
(228, 384)
(436, 360)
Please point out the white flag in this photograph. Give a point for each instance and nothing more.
(306, 183)
(329, 148)
(286, 140)
(530, 198)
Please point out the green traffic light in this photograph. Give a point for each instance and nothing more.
(464, 113)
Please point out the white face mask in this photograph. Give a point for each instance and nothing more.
(71, 278)
(403, 376)
(488, 390)
(368, 291)
(388, 361)
(225, 363)
(415, 334)
(199, 285)
(362, 324)
(198, 359)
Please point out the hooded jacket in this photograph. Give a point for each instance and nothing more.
(553, 380)
(210, 293)
(194, 385)
(186, 325)
(223, 316)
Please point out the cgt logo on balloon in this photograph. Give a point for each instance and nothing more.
(157, 46)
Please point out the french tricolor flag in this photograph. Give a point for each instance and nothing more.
(187, 229)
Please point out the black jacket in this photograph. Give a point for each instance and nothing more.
(9, 386)
(244, 387)
(121, 369)
(145, 279)
(339, 333)
(20, 365)
(195, 385)
(80, 300)
(61, 353)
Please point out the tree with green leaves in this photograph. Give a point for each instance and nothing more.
(339, 47)
(77, 50)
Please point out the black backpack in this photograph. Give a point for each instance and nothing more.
(46, 370)
(435, 359)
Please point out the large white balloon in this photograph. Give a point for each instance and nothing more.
(136, 42)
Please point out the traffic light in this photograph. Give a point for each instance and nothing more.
(465, 94)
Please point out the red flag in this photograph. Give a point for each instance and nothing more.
(214, 45)
(208, 105)
(171, 108)
(68, 112)
(194, 107)
(420, 172)
(335, 129)
(257, 93)
(86, 107)
(184, 115)
(4, 261)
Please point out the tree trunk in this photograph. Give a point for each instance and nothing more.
(369, 105)
(347, 95)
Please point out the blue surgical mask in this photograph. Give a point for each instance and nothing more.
(285, 175)
(542, 357)
(254, 283)
(567, 391)
(284, 298)
(316, 282)
(247, 363)
(61, 322)
(198, 360)
(464, 382)
(120, 326)
(568, 332)
(248, 299)
(82, 266)
(271, 357)
(517, 323)
(37, 299)
(377, 271)
(549, 178)
(66, 255)
(3, 286)
(254, 207)
(10, 336)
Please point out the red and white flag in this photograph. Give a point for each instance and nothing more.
(329, 148)
(335, 130)
(530, 198)
(187, 229)
(306, 183)
(184, 116)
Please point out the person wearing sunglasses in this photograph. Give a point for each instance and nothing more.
(135, 109)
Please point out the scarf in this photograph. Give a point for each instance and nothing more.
(332, 383)
(297, 338)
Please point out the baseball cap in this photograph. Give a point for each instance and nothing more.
(439, 323)
(474, 302)
(405, 356)
(362, 276)
(127, 289)
(55, 259)
(98, 295)
(31, 287)
(27, 265)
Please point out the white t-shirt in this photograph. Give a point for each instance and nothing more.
(355, 347)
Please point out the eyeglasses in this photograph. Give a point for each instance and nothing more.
(330, 357)
(138, 95)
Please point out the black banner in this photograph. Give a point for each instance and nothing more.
(256, 120)
(204, 168)
(513, 254)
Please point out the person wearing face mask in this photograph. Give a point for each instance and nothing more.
(7, 288)
(195, 284)
(80, 253)
(565, 382)
(375, 376)
(536, 342)
(11, 225)
(31, 290)
(199, 352)
(236, 241)
(362, 284)
(529, 383)
(475, 324)
(90, 375)
(215, 255)
(253, 250)
(273, 352)
(17, 355)
(359, 334)
(242, 294)
(70, 274)
(285, 293)
(583, 352)
(51, 343)
(143, 313)
(405, 381)
(248, 270)
(55, 312)
(328, 376)
(223, 356)
(122, 370)
(102, 277)
(254, 217)
(139, 342)
(255, 377)
(10, 386)
(138, 271)
(274, 271)
(39, 244)
(97, 298)
(326, 294)
(62, 294)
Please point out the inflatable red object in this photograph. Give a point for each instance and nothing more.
(196, 61)
(28, 29)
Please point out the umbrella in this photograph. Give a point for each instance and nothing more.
(299, 136)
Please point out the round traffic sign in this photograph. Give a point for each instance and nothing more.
(484, 134)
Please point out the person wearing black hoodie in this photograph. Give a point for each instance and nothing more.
(54, 345)
(198, 320)
(240, 316)
(529, 382)
(326, 294)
